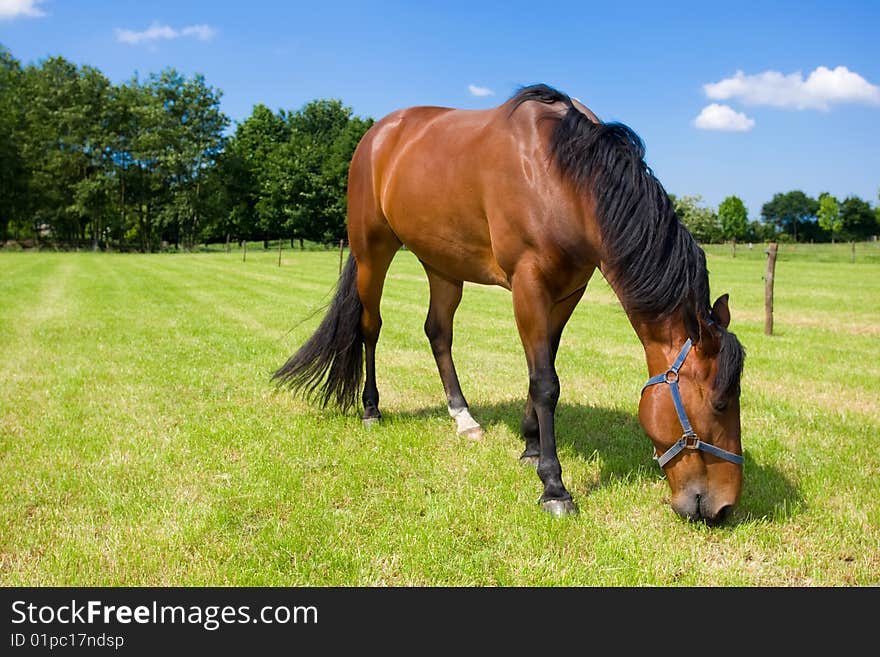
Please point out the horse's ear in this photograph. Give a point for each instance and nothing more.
(721, 311)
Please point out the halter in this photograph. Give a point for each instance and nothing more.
(689, 438)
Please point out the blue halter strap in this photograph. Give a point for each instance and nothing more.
(689, 438)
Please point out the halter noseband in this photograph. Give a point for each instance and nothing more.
(689, 438)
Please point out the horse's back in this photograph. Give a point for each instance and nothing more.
(468, 191)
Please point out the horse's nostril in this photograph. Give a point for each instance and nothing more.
(688, 508)
(721, 515)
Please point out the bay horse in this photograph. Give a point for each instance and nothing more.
(534, 195)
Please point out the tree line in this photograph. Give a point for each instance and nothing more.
(788, 217)
(148, 164)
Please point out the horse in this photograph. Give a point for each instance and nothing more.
(534, 195)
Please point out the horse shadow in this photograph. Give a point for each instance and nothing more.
(625, 451)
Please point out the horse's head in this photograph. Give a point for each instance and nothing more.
(691, 413)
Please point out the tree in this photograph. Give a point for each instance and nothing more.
(858, 219)
(788, 211)
(186, 114)
(701, 222)
(323, 138)
(248, 166)
(13, 173)
(295, 169)
(91, 193)
(233, 192)
(63, 147)
(146, 161)
(759, 232)
(126, 216)
(828, 215)
(335, 174)
(733, 217)
(877, 209)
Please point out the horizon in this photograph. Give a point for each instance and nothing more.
(748, 101)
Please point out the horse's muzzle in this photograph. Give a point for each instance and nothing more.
(700, 507)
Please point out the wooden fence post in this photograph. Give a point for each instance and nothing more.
(768, 288)
(244, 252)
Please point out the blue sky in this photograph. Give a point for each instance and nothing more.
(730, 98)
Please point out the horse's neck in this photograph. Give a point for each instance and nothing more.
(661, 339)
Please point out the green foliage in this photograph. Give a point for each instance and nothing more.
(295, 170)
(758, 231)
(323, 140)
(877, 210)
(255, 197)
(858, 220)
(86, 161)
(146, 161)
(789, 211)
(702, 222)
(185, 115)
(13, 174)
(733, 217)
(828, 216)
(62, 142)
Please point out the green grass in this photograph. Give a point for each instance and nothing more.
(841, 252)
(141, 442)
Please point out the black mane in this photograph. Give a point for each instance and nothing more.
(653, 262)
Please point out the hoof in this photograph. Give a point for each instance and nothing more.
(529, 459)
(559, 508)
(474, 433)
(371, 421)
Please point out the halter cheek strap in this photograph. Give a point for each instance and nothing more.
(689, 438)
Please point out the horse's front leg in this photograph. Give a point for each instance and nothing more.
(559, 316)
(540, 321)
(531, 434)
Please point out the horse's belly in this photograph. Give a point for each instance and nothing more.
(455, 246)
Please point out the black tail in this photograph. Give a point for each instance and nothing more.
(329, 367)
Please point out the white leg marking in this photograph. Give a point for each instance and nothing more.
(463, 419)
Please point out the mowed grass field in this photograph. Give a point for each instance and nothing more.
(142, 442)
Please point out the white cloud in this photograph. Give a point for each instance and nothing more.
(722, 117)
(201, 32)
(10, 9)
(822, 88)
(480, 91)
(157, 31)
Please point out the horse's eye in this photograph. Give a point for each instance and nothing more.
(718, 405)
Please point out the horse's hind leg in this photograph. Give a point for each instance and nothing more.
(372, 267)
(445, 297)
(373, 245)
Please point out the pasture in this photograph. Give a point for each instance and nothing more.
(142, 443)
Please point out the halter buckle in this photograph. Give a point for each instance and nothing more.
(671, 376)
(691, 441)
